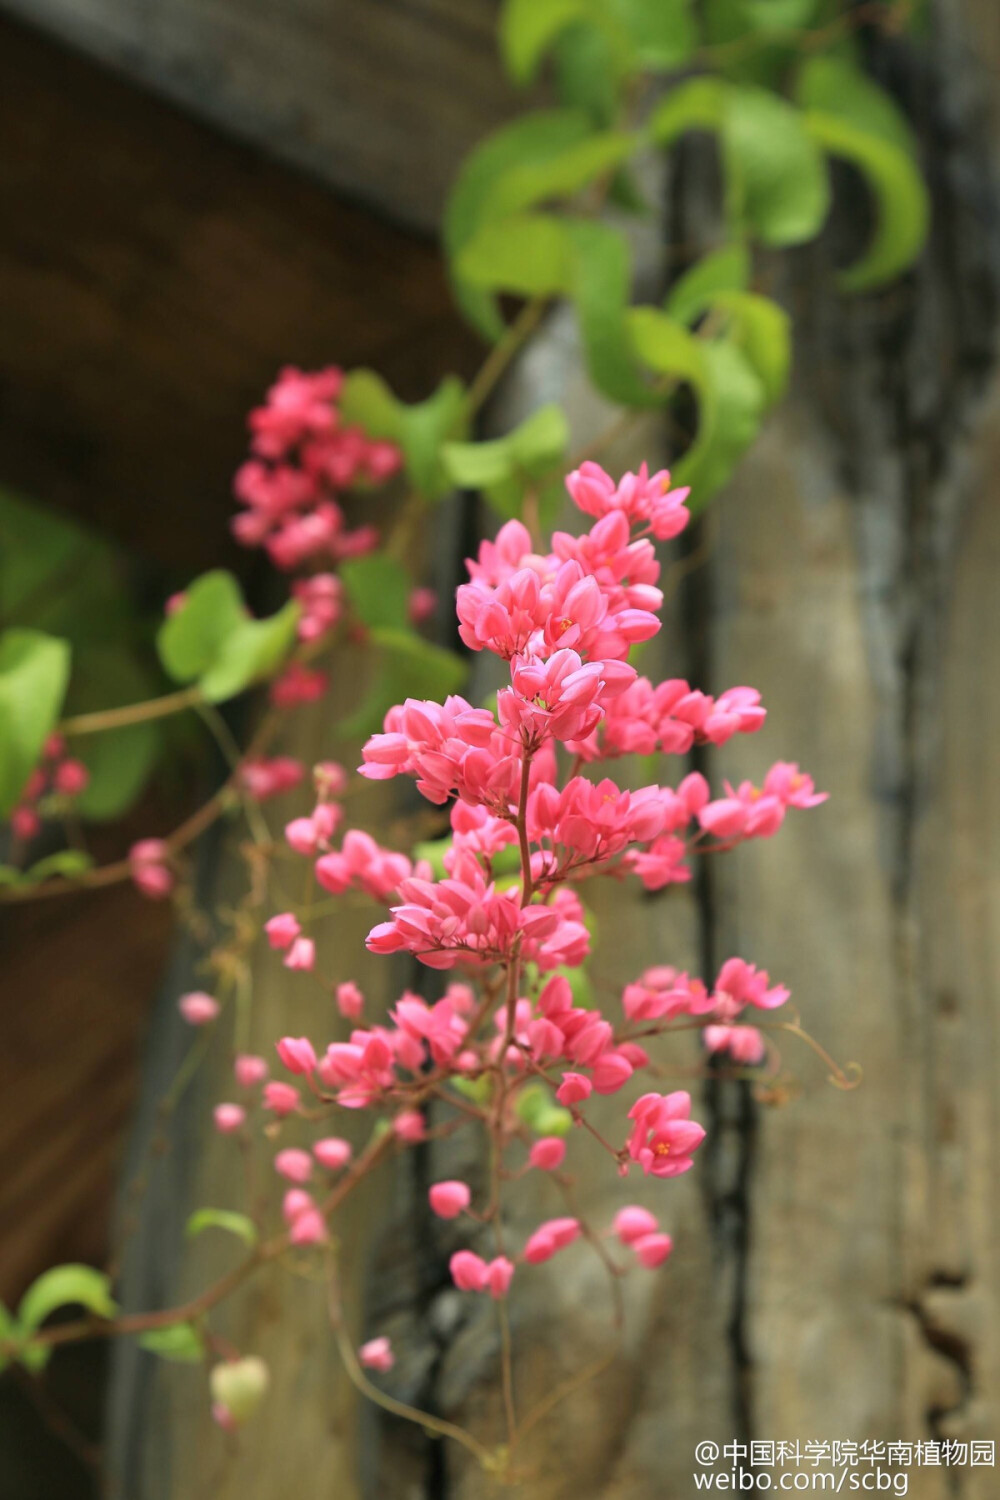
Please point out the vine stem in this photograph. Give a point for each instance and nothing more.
(494, 366)
(131, 713)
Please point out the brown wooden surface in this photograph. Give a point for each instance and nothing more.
(380, 98)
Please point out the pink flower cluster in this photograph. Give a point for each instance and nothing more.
(509, 1042)
(52, 785)
(303, 455)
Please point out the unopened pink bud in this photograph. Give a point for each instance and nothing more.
(297, 1054)
(574, 1089)
(229, 1117)
(377, 1355)
(301, 835)
(294, 1164)
(350, 1001)
(332, 1153)
(631, 1223)
(548, 1154)
(71, 778)
(296, 1201)
(499, 1273)
(469, 1271)
(449, 1199)
(282, 930)
(249, 1070)
(309, 1228)
(409, 1126)
(301, 955)
(652, 1249)
(554, 1235)
(281, 1098)
(611, 1072)
(198, 1009)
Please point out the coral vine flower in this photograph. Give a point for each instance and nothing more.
(664, 1136)
(377, 1355)
(449, 1199)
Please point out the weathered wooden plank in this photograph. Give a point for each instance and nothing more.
(380, 101)
(153, 275)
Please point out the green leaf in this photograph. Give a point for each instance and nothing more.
(528, 28)
(62, 1286)
(379, 588)
(761, 330)
(725, 270)
(528, 254)
(902, 200)
(222, 1218)
(733, 413)
(34, 671)
(779, 15)
(408, 667)
(777, 186)
(504, 467)
(534, 138)
(663, 32)
(8, 1332)
(252, 652)
(190, 639)
(68, 863)
(180, 1343)
(835, 86)
(696, 105)
(586, 75)
(419, 429)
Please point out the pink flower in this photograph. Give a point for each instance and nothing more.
(743, 1043)
(229, 1118)
(295, 1202)
(574, 1089)
(249, 1070)
(409, 1126)
(301, 955)
(150, 868)
(632, 1222)
(664, 1137)
(198, 1009)
(548, 1153)
(262, 778)
(421, 605)
(332, 1153)
(297, 1054)
(308, 1228)
(499, 1274)
(282, 930)
(377, 1355)
(298, 684)
(350, 1001)
(71, 778)
(294, 1164)
(449, 1199)
(549, 1238)
(468, 1271)
(281, 1098)
(652, 1249)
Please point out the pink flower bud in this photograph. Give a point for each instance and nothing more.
(296, 1201)
(499, 1273)
(281, 1098)
(611, 1072)
(198, 1009)
(308, 1228)
(548, 1154)
(249, 1070)
(652, 1249)
(631, 1223)
(301, 835)
(469, 1271)
(332, 1153)
(282, 930)
(421, 605)
(449, 1199)
(295, 1165)
(350, 1001)
(554, 1235)
(377, 1355)
(26, 824)
(71, 778)
(301, 955)
(574, 1089)
(409, 1126)
(229, 1118)
(297, 1054)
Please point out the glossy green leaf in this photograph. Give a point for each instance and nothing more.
(34, 671)
(379, 588)
(662, 32)
(901, 197)
(222, 1218)
(503, 467)
(587, 75)
(181, 1343)
(528, 254)
(407, 666)
(777, 186)
(761, 330)
(733, 413)
(419, 429)
(835, 86)
(725, 270)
